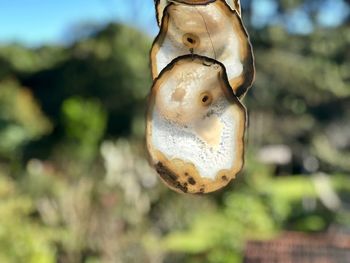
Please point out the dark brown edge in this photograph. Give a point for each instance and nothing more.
(238, 7)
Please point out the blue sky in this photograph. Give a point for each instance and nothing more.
(35, 22)
(41, 21)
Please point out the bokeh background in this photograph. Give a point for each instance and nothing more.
(75, 185)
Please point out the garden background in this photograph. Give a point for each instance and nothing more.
(75, 185)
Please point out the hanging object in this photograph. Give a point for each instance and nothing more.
(195, 126)
(207, 28)
(202, 66)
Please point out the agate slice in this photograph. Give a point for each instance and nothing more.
(212, 30)
(195, 126)
(162, 4)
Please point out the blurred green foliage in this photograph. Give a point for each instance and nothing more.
(85, 123)
(22, 237)
(75, 185)
(21, 119)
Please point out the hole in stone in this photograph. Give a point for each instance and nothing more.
(190, 40)
(205, 98)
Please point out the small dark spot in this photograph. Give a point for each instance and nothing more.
(185, 184)
(224, 178)
(186, 174)
(170, 177)
(205, 98)
(191, 181)
(190, 40)
(183, 188)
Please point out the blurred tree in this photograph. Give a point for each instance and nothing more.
(73, 203)
(85, 123)
(111, 65)
(21, 119)
(22, 239)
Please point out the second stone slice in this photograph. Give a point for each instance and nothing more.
(195, 126)
(213, 30)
